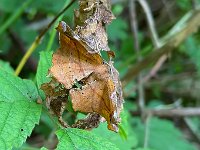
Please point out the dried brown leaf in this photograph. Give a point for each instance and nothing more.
(100, 92)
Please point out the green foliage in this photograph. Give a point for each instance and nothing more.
(125, 140)
(194, 124)
(162, 135)
(6, 66)
(49, 6)
(42, 70)
(12, 6)
(19, 110)
(192, 49)
(120, 26)
(143, 149)
(79, 139)
(184, 4)
(117, 9)
(4, 46)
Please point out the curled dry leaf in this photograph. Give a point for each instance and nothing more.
(99, 93)
(78, 61)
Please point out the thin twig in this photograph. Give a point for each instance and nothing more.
(195, 4)
(134, 28)
(38, 39)
(19, 45)
(186, 26)
(155, 68)
(167, 7)
(53, 32)
(175, 112)
(151, 24)
(154, 37)
(192, 128)
(147, 131)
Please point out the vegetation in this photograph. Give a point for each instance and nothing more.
(157, 54)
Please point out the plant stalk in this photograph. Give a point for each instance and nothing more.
(35, 44)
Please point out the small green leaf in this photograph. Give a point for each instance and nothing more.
(71, 139)
(42, 71)
(19, 111)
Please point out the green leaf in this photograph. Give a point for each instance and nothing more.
(13, 88)
(71, 138)
(19, 110)
(6, 66)
(124, 140)
(42, 70)
(162, 135)
(12, 6)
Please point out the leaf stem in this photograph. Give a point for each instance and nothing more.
(26, 56)
(51, 39)
(53, 33)
(38, 39)
(151, 24)
(14, 16)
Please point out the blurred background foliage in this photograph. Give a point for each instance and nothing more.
(177, 81)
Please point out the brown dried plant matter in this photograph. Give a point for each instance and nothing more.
(90, 20)
(77, 61)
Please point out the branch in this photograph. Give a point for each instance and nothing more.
(186, 26)
(134, 28)
(150, 21)
(35, 44)
(19, 44)
(176, 112)
(155, 68)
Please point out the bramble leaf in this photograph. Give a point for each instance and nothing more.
(19, 111)
(72, 138)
